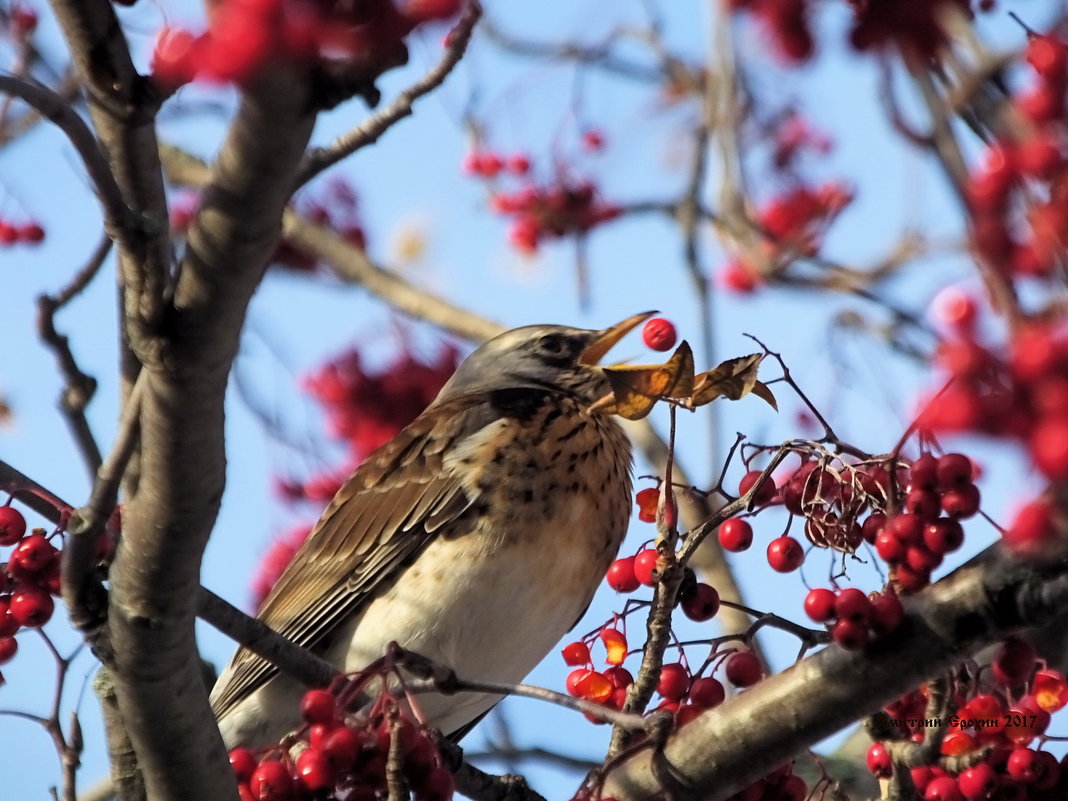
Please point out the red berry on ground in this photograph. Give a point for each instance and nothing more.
(620, 576)
(743, 669)
(12, 525)
(819, 604)
(659, 334)
(735, 535)
(785, 554)
(702, 603)
(645, 566)
(576, 653)
(674, 681)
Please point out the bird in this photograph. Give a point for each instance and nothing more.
(476, 537)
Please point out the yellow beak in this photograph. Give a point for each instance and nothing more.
(597, 349)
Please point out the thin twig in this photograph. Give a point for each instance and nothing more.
(369, 131)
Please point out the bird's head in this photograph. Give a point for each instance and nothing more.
(552, 357)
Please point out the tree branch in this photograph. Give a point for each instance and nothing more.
(721, 752)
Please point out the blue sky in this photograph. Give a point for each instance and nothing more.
(412, 181)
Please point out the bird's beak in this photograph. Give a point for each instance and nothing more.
(597, 349)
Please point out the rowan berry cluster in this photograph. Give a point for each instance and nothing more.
(552, 209)
(792, 224)
(1018, 194)
(342, 755)
(28, 580)
(244, 35)
(20, 233)
(987, 733)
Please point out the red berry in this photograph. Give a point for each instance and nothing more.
(886, 612)
(978, 783)
(735, 535)
(576, 653)
(593, 686)
(943, 535)
(342, 747)
(793, 788)
(942, 788)
(701, 603)
(743, 669)
(1032, 529)
(1050, 689)
(1021, 765)
(1046, 55)
(659, 334)
(621, 577)
(592, 139)
(706, 692)
(873, 524)
(765, 493)
(906, 529)
(12, 525)
(31, 606)
(32, 233)
(954, 470)
(8, 624)
(518, 164)
(923, 473)
(427, 10)
(819, 604)
(8, 646)
(879, 763)
(615, 644)
(243, 763)
(271, 782)
(645, 566)
(850, 634)
(922, 504)
(785, 554)
(1014, 661)
(318, 706)
(889, 547)
(620, 677)
(647, 499)
(1049, 446)
(33, 555)
(314, 771)
(962, 502)
(176, 56)
(853, 605)
(674, 681)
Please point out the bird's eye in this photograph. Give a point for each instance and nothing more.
(553, 345)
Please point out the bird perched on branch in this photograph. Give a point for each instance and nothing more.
(475, 537)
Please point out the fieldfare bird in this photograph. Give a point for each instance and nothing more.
(475, 537)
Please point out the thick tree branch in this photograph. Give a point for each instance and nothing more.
(155, 577)
(749, 736)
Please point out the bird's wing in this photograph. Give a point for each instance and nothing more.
(387, 510)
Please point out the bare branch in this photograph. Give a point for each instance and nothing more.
(369, 131)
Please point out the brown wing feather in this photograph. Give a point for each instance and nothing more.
(387, 510)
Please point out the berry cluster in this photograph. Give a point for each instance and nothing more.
(1021, 395)
(243, 35)
(854, 616)
(991, 733)
(21, 234)
(792, 224)
(28, 580)
(343, 756)
(550, 210)
(1028, 172)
